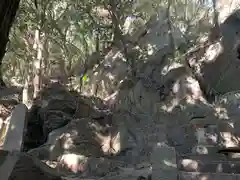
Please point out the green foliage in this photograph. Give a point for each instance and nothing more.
(85, 78)
(71, 30)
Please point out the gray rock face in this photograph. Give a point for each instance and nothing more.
(164, 164)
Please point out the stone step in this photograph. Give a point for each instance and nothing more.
(231, 152)
(205, 149)
(190, 165)
(203, 157)
(210, 157)
(207, 176)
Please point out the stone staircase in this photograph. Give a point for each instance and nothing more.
(204, 162)
(210, 166)
(206, 167)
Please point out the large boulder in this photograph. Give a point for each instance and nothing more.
(216, 65)
(56, 107)
(83, 143)
(123, 61)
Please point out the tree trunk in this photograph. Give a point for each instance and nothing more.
(8, 9)
(25, 94)
(214, 33)
(38, 64)
(169, 23)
